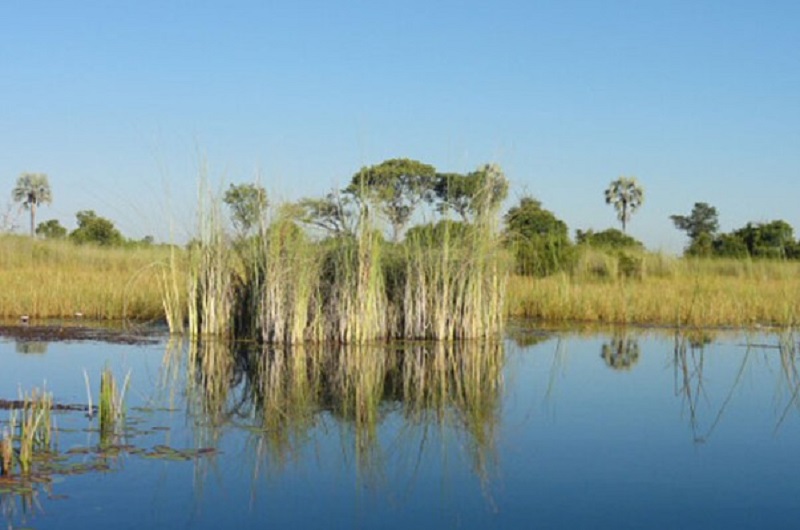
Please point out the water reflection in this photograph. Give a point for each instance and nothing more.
(30, 346)
(280, 395)
(621, 352)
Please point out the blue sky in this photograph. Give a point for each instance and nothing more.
(121, 103)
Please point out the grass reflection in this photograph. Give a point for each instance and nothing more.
(281, 395)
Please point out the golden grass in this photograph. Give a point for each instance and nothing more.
(672, 291)
(57, 279)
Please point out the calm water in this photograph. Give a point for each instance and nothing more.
(636, 429)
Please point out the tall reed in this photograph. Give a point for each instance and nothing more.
(111, 406)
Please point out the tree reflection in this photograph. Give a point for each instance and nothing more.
(621, 352)
(282, 396)
(30, 346)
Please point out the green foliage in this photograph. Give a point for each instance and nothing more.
(32, 189)
(468, 195)
(538, 238)
(768, 240)
(626, 195)
(702, 220)
(332, 213)
(247, 203)
(95, 229)
(437, 234)
(610, 238)
(51, 229)
(396, 186)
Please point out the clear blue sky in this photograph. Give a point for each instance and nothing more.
(118, 102)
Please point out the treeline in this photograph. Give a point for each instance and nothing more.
(92, 229)
(541, 244)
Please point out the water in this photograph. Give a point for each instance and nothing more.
(641, 429)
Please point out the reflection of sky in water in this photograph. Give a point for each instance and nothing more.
(578, 445)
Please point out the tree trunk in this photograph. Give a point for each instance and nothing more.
(33, 219)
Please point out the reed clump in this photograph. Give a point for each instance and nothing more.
(669, 291)
(111, 406)
(282, 285)
(28, 433)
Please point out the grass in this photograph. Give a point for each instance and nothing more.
(282, 285)
(291, 288)
(57, 279)
(31, 428)
(669, 291)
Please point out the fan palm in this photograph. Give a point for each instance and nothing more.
(627, 196)
(32, 189)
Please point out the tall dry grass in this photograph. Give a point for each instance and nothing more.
(282, 286)
(668, 291)
(57, 279)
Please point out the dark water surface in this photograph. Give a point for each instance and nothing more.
(634, 429)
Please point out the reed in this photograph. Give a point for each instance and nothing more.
(35, 428)
(7, 449)
(671, 291)
(111, 405)
(282, 286)
(57, 279)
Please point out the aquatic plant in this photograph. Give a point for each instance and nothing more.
(111, 405)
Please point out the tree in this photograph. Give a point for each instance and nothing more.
(609, 238)
(468, 195)
(396, 186)
(702, 220)
(95, 229)
(51, 229)
(626, 195)
(332, 213)
(32, 189)
(247, 203)
(540, 240)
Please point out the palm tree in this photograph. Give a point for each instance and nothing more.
(32, 189)
(627, 196)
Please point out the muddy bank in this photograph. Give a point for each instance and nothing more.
(88, 332)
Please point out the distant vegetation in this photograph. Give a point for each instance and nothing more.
(402, 251)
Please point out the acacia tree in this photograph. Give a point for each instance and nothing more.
(700, 225)
(332, 213)
(626, 195)
(32, 189)
(396, 186)
(468, 195)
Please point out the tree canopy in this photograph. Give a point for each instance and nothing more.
(95, 229)
(51, 229)
(539, 239)
(247, 203)
(396, 186)
(703, 219)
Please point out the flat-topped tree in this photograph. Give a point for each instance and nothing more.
(32, 189)
(396, 186)
(468, 195)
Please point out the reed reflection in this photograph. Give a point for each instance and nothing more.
(281, 395)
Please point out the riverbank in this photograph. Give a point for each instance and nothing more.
(52, 279)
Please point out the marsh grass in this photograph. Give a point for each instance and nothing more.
(57, 279)
(671, 291)
(30, 427)
(283, 286)
(111, 404)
